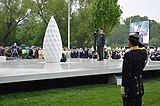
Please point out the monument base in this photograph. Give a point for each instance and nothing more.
(115, 79)
(22, 70)
(2, 58)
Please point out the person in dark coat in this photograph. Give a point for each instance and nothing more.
(100, 44)
(134, 62)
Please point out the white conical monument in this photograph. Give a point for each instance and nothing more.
(52, 44)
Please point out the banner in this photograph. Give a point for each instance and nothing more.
(142, 28)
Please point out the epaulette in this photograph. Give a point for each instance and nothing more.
(127, 51)
(143, 48)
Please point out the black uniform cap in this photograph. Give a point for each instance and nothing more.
(134, 38)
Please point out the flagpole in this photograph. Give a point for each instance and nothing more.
(69, 7)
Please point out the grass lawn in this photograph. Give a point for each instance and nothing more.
(91, 95)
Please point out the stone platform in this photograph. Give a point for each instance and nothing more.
(30, 70)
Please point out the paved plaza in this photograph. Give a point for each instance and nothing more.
(33, 69)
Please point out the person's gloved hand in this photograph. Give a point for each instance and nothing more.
(123, 94)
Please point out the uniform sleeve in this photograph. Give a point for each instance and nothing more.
(104, 39)
(95, 34)
(126, 71)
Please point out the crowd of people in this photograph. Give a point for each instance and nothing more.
(110, 53)
(90, 53)
(35, 52)
(155, 54)
(14, 51)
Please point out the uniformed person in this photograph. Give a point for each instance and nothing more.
(134, 62)
(100, 44)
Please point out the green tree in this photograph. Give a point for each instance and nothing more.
(154, 33)
(135, 18)
(31, 32)
(12, 14)
(82, 26)
(106, 14)
(56, 8)
(119, 36)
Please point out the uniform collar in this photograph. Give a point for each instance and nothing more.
(101, 32)
(135, 48)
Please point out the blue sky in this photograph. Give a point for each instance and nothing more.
(149, 8)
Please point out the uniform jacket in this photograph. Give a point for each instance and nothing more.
(133, 64)
(101, 39)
